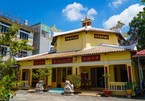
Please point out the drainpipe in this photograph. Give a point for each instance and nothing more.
(140, 77)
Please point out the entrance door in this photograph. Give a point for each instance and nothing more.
(93, 77)
(58, 77)
(97, 79)
(100, 78)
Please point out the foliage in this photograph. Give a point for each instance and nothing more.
(41, 73)
(6, 84)
(143, 1)
(8, 77)
(137, 30)
(10, 39)
(5, 67)
(119, 25)
(75, 79)
(129, 85)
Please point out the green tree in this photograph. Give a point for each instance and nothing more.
(41, 73)
(10, 39)
(143, 1)
(137, 30)
(8, 77)
(119, 25)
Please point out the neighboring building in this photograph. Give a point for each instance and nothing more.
(25, 32)
(139, 57)
(89, 52)
(42, 38)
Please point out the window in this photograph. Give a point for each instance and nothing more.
(63, 74)
(44, 34)
(24, 35)
(3, 28)
(120, 73)
(53, 74)
(3, 51)
(24, 53)
(69, 71)
(25, 74)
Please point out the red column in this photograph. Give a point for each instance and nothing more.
(105, 76)
(129, 74)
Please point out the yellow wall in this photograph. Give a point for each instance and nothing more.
(48, 61)
(63, 45)
(86, 39)
(26, 63)
(116, 56)
(93, 41)
(77, 59)
(111, 72)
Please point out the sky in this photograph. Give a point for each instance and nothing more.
(68, 14)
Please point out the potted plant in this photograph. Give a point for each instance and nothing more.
(129, 89)
(75, 80)
(41, 74)
(107, 91)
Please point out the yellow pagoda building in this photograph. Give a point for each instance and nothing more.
(90, 52)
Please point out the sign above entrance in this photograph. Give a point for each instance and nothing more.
(74, 37)
(62, 60)
(39, 62)
(90, 58)
(100, 36)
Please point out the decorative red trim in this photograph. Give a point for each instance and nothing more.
(62, 60)
(129, 72)
(39, 62)
(100, 36)
(74, 37)
(90, 58)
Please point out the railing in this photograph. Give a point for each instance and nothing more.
(117, 86)
(12, 17)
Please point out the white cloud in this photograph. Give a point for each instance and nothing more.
(91, 13)
(126, 16)
(116, 3)
(76, 11)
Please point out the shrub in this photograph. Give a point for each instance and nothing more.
(75, 80)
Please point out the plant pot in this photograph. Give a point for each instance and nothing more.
(107, 92)
(129, 92)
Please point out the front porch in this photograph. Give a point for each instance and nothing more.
(92, 77)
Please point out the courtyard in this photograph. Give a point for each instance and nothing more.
(45, 96)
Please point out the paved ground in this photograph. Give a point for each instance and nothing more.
(24, 96)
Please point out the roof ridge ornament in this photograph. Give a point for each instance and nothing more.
(86, 22)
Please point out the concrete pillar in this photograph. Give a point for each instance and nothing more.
(20, 74)
(75, 70)
(30, 77)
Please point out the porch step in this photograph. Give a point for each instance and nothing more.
(89, 93)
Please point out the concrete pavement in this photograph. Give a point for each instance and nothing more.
(45, 96)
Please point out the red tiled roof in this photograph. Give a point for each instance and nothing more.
(140, 53)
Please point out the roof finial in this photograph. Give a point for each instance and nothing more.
(86, 22)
